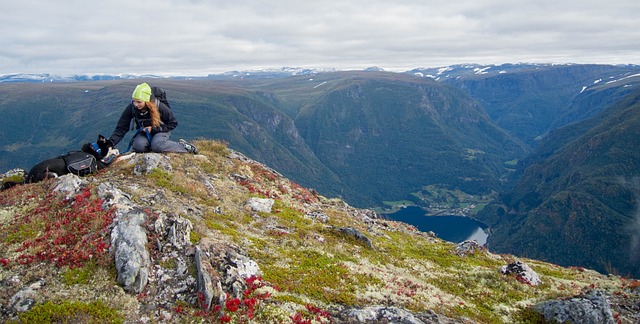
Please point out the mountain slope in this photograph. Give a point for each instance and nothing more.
(528, 100)
(303, 258)
(387, 135)
(577, 200)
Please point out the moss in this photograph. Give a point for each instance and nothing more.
(24, 232)
(71, 312)
(317, 275)
(79, 276)
(529, 316)
(16, 178)
(224, 224)
(165, 180)
(194, 237)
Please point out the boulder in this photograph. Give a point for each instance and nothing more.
(260, 204)
(590, 308)
(128, 244)
(523, 272)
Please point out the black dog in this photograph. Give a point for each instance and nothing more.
(102, 151)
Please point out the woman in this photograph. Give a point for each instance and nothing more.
(154, 122)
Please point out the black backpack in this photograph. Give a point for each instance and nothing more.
(80, 163)
(160, 95)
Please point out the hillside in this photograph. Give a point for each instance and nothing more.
(220, 237)
(577, 199)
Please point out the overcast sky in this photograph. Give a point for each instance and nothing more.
(199, 37)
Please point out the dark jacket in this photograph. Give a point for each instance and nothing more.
(143, 119)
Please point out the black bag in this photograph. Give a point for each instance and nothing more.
(80, 163)
(161, 95)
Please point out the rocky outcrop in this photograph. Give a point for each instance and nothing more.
(128, 241)
(523, 272)
(590, 308)
(468, 248)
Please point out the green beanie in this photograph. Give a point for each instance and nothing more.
(142, 92)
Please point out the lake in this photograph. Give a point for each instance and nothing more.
(454, 229)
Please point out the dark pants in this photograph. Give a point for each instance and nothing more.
(160, 143)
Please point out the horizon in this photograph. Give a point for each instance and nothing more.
(285, 69)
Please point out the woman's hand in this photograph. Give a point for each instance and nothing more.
(147, 129)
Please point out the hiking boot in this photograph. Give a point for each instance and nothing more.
(189, 147)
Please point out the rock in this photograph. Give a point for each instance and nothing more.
(69, 184)
(380, 314)
(203, 282)
(357, 235)
(146, 163)
(260, 204)
(176, 229)
(590, 308)
(240, 267)
(467, 248)
(318, 215)
(113, 196)
(523, 272)
(12, 176)
(24, 299)
(128, 242)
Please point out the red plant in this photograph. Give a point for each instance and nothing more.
(236, 308)
(313, 313)
(70, 232)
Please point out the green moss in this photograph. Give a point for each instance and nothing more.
(529, 316)
(223, 223)
(16, 178)
(316, 275)
(194, 237)
(25, 232)
(71, 312)
(165, 180)
(79, 276)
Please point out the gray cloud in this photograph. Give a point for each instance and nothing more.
(201, 37)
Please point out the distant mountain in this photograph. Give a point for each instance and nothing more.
(46, 77)
(529, 100)
(578, 199)
(249, 74)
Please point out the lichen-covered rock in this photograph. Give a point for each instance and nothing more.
(356, 235)
(590, 308)
(467, 248)
(69, 184)
(260, 204)
(523, 272)
(128, 241)
(146, 163)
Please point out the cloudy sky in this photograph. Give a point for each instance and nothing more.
(199, 37)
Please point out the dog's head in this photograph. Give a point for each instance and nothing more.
(101, 148)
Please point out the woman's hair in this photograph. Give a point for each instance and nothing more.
(154, 113)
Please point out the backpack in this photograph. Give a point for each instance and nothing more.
(80, 163)
(160, 95)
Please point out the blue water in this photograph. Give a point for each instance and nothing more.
(449, 228)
